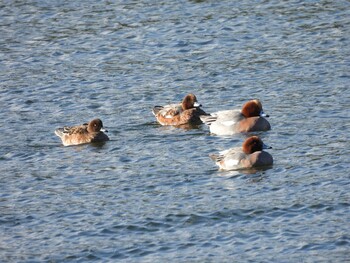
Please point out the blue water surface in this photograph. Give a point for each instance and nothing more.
(152, 194)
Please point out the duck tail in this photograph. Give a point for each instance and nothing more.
(207, 119)
(216, 157)
(156, 110)
(213, 157)
(59, 132)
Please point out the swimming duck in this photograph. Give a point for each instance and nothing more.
(228, 122)
(186, 112)
(86, 133)
(250, 155)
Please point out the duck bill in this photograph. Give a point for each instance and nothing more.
(265, 146)
(103, 130)
(197, 105)
(263, 114)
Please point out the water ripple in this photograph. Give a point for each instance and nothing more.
(152, 194)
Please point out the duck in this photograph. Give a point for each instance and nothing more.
(86, 133)
(250, 155)
(186, 112)
(228, 122)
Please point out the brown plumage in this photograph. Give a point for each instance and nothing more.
(186, 112)
(250, 155)
(86, 133)
(228, 122)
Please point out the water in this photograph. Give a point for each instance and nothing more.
(152, 194)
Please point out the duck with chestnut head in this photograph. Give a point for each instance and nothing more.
(81, 134)
(228, 122)
(186, 112)
(250, 155)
